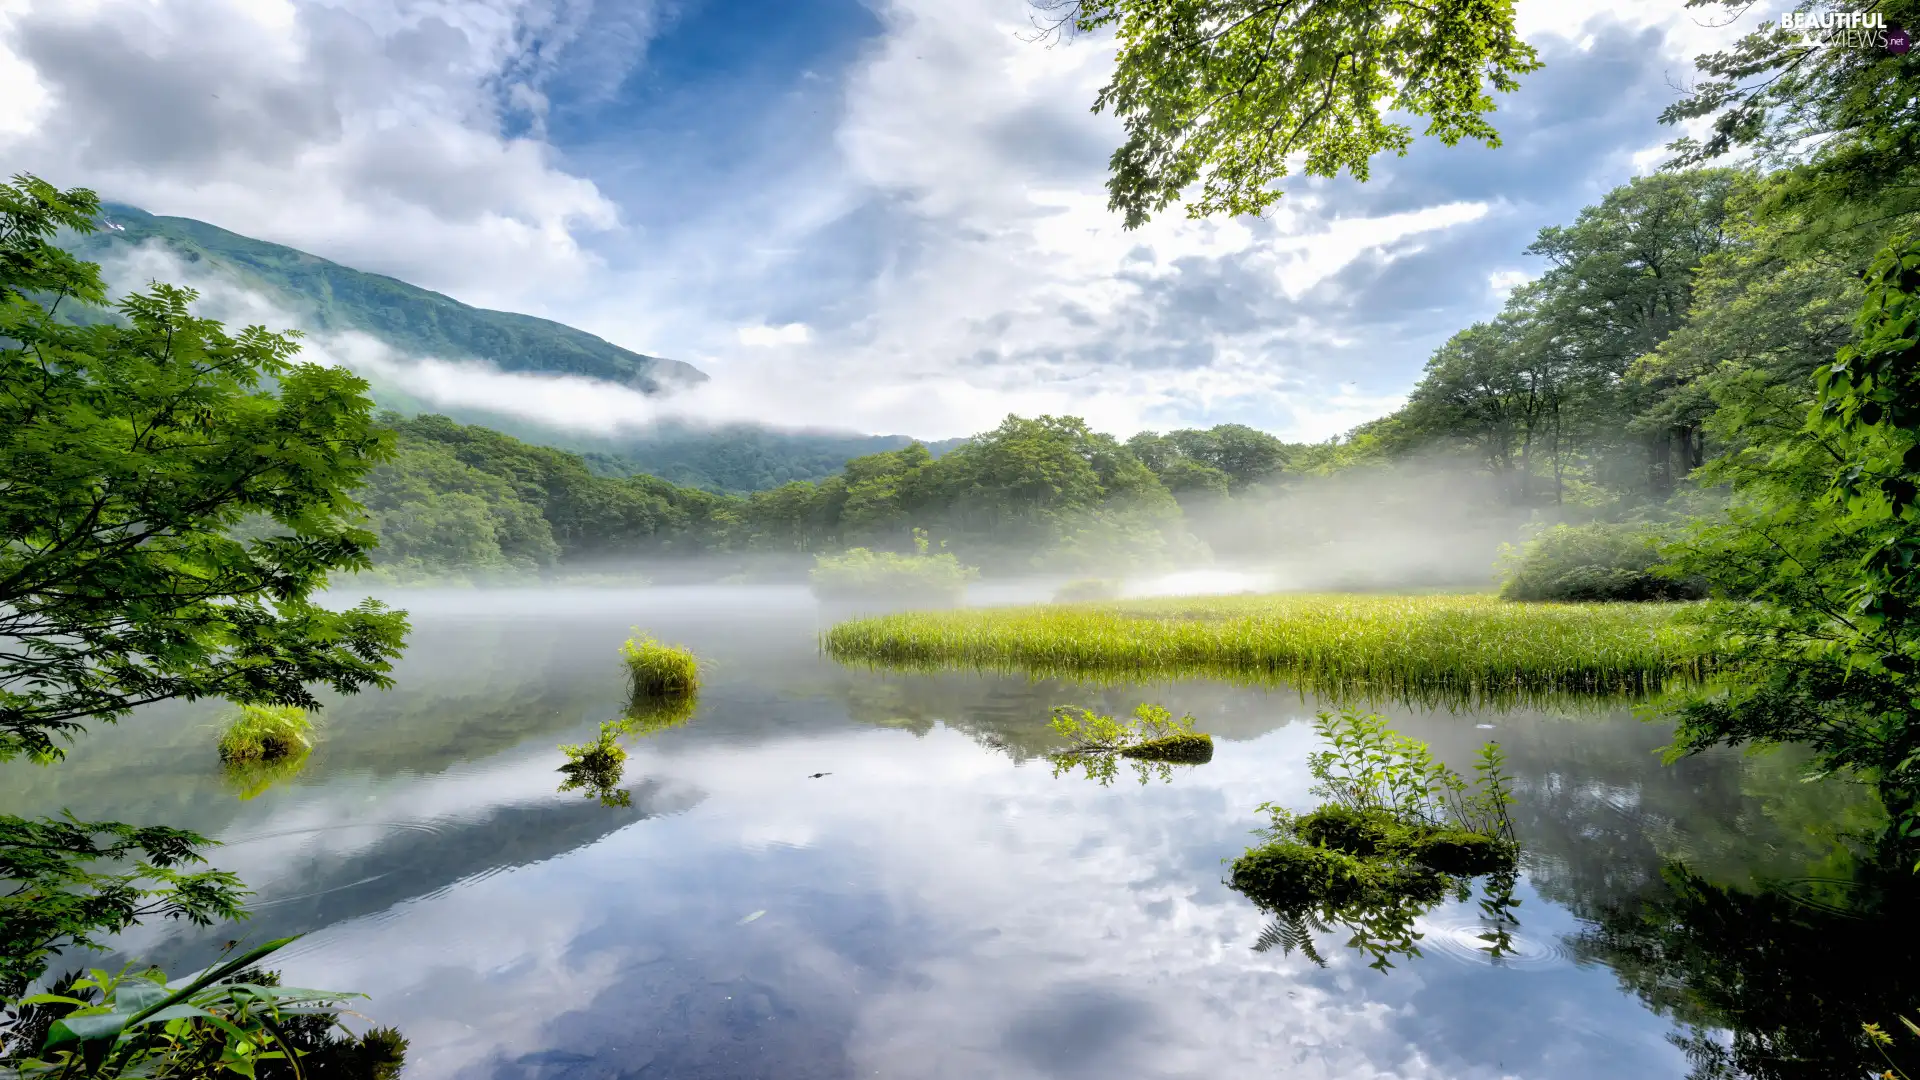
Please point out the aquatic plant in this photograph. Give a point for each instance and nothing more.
(655, 670)
(1153, 739)
(863, 574)
(1086, 590)
(1399, 832)
(598, 767)
(266, 733)
(1467, 648)
(646, 716)
(251, 777)
(231, 1018)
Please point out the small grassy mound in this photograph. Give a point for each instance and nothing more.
(1293, 877)
(655, 670)
(266, 733)
(1472, 647)
(1183, 748)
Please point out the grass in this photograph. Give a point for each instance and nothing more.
(266, 733)
(656, 670)
(1451, 648)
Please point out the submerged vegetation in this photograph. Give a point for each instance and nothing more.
(1398, 833)
(656, 670)
(264, 733)
(862, 574)
(1153, 739)
(1474, 647)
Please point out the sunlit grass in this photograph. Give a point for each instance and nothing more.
(656, 670)
(266, 733)
(1426, 647)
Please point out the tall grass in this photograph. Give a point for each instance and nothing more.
(266, 733)
(656, 670)
(1459, 648)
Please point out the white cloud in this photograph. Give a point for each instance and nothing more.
(790, 334)
(1502, 282)
(368, 132)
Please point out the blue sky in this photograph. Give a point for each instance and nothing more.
(882, 215)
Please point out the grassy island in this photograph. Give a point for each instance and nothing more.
(1477, 646)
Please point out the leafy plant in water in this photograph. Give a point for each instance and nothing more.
(598, 767)
(658, 670)
(231, 1018)
(1153, 741)
(266, 733)
(1399, 831)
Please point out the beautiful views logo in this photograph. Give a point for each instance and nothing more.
(1848, 29)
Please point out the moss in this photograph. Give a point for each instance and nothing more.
(1361, 833)
(1459, 852)
(657, 670)
(1187, 748)
(1288, 876)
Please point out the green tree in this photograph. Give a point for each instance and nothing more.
(1223, 92)
(132, 450)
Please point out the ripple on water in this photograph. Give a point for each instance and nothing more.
(1471, 942)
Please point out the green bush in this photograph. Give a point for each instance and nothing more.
(266, 733)
(860, 573)
(1598, 562)
(656, 670)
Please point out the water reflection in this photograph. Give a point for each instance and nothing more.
(937, 904)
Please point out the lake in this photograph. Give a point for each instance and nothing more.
(937, 903)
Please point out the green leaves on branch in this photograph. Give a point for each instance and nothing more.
(1153, 741)
(132, 449)
(50, 899)
(1224, 92)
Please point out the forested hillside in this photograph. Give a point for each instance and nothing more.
(327, 296)
(1044, 493)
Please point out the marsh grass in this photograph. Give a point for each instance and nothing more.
(656, 670)
(1471, 649)
(266, 733)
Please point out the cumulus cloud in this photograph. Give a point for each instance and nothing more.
(376, 133)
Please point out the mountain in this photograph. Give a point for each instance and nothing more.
(326, 296)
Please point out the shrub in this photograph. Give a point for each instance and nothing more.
(266, 733)
(655, 670)
(860, 573)
(1086, 590)
(1598, 562)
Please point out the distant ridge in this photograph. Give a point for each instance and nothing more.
(327, 296)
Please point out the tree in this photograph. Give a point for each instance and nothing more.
(133, 448)
(129, 449)
(1223, 92)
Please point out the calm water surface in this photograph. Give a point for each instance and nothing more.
(937, 906)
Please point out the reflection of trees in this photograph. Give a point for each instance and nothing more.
(1791, 971)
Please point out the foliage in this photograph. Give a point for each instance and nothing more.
(131, 448)
(1153, 739)
(1399, 832)
(1222, 460)
(1885, 1042)
(1821, 547)
(656, 670)
(1597, 562)
(1439, 647)
(859, 573)
(266, 733)
(598, 767)
(232, 1018)
(1223, 92)
(53, 900)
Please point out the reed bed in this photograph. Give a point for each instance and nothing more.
(658, 670)
(1468, 649)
